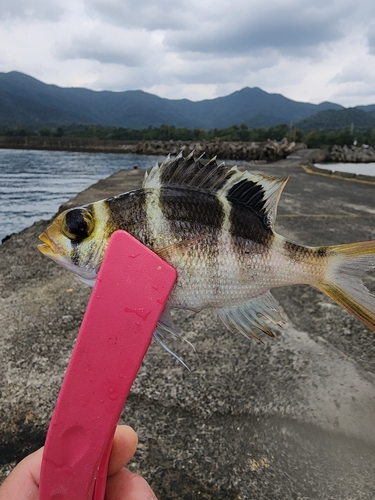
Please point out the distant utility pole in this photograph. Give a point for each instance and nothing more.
(292, 132)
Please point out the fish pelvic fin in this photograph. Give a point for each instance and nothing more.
(165, 330)
(253, 318)
(345, 266)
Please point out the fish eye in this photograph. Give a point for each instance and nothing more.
(78, 224)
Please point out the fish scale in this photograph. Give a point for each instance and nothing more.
(215, 226)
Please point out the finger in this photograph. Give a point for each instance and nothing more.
(128, 486)
(23, 481)
(124, 445)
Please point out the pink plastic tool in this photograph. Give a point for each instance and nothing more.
(129, 296)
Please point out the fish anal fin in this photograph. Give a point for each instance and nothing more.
(251, 318)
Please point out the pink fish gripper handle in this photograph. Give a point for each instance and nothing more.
(129, 296)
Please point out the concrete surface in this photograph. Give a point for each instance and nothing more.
(291, 419)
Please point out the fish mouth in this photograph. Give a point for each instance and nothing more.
(47, 247)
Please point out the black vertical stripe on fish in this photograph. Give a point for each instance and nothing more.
(298, 252)
(193, 206)
(128, 212)
(246, 224)
(190, 214)
(294, 251)
(321, 252)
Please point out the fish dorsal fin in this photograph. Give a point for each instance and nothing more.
(251, 318)
(189, 172)
(260, 193)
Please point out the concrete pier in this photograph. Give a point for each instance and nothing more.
(291, 419)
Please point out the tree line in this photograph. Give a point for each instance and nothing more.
(313, 139)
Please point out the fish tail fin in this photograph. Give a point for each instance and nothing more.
(342, 282)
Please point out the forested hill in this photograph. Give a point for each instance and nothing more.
(338, 119)
(27, 102)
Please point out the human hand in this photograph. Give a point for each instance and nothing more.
(23, 482)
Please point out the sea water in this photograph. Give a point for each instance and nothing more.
(353, 168)
(33, 184)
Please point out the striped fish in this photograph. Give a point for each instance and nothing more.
(215, 226)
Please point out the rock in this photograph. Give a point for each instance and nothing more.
(350, 154)
(245, 151)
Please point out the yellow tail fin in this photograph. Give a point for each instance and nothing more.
(346, 264)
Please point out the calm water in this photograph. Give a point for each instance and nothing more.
(353, 168)
(33, 184)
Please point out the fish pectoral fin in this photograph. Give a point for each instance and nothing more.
(250, 318)
(167, 253)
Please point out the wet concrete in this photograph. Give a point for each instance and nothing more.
(291, 419)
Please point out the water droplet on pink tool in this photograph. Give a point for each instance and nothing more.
(133, 255)
(141, 312)
(155, 287)
(112, 393)
(161, 300)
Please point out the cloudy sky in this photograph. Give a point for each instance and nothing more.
(307, 50)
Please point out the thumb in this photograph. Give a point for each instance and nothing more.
(23, 481)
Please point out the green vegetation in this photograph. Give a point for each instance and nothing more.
(313, 138)
(170, 132)
(332, 119)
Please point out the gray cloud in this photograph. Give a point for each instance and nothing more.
(362, 93)
(149, 14)
(293, 30)
(31, 9)
(353, 73)
(194, 48)
(124, 50)
(218, 70)
(212, 40)
(371, 38)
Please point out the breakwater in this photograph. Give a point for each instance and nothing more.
(350, 154)
(248, 151)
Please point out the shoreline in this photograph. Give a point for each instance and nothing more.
(259, 153)
(327, 172)
(244, 151)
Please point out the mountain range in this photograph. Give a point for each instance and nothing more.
(27, 102)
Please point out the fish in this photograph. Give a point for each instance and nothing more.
(215, 225)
